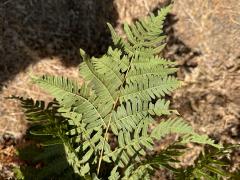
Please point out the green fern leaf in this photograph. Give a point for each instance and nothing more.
(171, 126)
(114, 174)
(70, 96)
(131, 147)
(180, 127)
(105, 88)
(144, 36)
(200, 139)
(149, 88)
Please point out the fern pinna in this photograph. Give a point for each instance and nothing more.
(105, 122)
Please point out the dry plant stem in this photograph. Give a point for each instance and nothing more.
(104, 140)
(109, 122)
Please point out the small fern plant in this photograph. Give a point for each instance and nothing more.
(105, 126)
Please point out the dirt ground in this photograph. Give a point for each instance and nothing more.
(42, 37)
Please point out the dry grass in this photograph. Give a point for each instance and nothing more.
(210, 99)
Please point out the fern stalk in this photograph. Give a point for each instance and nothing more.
(109, 122)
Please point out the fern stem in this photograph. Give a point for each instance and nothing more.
(104, 140)
(109, 122)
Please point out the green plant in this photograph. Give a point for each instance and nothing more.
(212, 164)
(105, 127)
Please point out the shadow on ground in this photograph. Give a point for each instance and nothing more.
(36, 29)
(44, 163)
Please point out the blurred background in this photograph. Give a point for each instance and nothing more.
(44, 36)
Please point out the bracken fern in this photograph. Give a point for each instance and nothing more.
(108, 122)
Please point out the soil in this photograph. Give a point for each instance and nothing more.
(42, 37)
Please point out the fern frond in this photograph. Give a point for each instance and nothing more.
(105, 88)
(212, 163)
(122, 93)
(131, 147)
(147, 67)
(138, 173)
(45, 120)
(84, 138)
(127, 117)
(37, 110)
(144, 36)
(176, 125)
(51, 131)
(71, 97)
(149, 88)
(114, 174)
(47, 126)
(200, 139)
(135, 74)
(180, 127)
(113, 64)
(161, 107)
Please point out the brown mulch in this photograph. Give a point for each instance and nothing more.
(45, 36)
